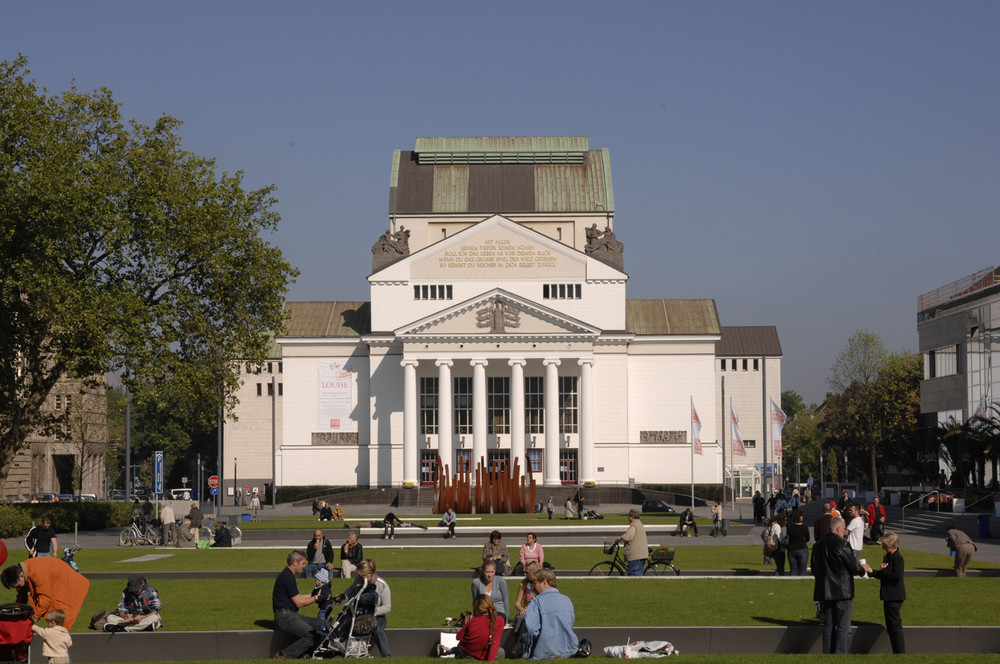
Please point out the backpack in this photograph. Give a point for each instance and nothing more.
(99, 620)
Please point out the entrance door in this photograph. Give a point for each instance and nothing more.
(567, 466)
(428, 467)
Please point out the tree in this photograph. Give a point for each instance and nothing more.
(121, 252)
(877, 405)
(792, 403)
(802, 437)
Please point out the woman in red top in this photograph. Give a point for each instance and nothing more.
(480, 637)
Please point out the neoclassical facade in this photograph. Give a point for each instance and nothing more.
(498, 329)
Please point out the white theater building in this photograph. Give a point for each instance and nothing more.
(498, 328)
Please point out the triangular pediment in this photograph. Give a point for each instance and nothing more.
(497, 248)
(497, 313)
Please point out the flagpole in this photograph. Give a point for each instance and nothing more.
(724, 447)
(691, 417)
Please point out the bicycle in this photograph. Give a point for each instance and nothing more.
(138, 533)
(657, 564)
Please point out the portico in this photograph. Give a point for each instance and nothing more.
(506, 429)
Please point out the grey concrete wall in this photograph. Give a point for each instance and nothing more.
(262, 644)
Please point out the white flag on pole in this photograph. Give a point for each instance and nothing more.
(738, 448)
(695, 429)
(778, 419)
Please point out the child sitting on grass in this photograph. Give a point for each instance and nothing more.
(55, 638)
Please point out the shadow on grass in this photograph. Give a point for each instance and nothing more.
(266, 624)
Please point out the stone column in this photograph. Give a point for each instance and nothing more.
(551, 475)
(588, 465)
(409, 422)
(446, 444)
(517, 413)
(478, 411)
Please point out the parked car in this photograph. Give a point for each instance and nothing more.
(87, 497)
(657, 506)
(44, 498)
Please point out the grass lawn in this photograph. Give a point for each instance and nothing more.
(461, 556)
(214, 604)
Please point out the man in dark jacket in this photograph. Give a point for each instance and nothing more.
(834, 568)
(319, 554)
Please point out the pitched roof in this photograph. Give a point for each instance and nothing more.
(328, 319)
(671, 317)
(748, 341)
(501, 174)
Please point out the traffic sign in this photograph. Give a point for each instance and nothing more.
(213, 481)
(214, 490)
(158, 472)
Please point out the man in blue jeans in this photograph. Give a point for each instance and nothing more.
(548, 621)
(834, 568)
(636, 547)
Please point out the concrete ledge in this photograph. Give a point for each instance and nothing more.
(262, 644)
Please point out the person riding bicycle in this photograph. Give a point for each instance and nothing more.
(636, 547)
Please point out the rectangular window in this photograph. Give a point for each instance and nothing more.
(428, 405)
(462, 399)
(562, 291)
(69, 401)
(432, 292)
(534, 404)
(569, 411)
(281, 389)
(498, 404)
(497, 460)
(535, 459)
(944, 361)
(280, 366)
(745, 365)
(463, 461)
(723, 365)
(260, 389)
(270, 389)
(58, 402)
(749, 443)
(733, 364)
(756, 364)
(270, 366)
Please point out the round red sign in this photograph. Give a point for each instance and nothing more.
(213, 481)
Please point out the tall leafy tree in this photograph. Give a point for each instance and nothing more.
(876, 406)
(122, 252)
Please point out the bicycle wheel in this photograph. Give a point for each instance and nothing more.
(602, 569)
(153, 536)
(125, 538)
(661, 569)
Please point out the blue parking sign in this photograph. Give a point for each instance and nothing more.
(158, 465)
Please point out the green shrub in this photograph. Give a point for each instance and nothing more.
(14, 521)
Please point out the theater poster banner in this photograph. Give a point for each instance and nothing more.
(334, 396)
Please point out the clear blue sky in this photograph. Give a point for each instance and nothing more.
(814, 166)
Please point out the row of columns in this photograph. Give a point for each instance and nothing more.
(446, 443)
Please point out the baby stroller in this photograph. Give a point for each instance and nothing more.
(350, 635)
(15, 632)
